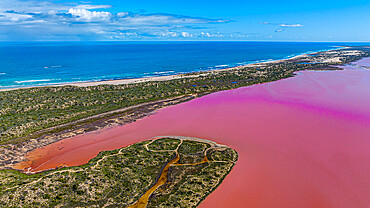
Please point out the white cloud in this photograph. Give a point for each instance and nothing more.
(40, 19)
(281, 27)
(14, 17)
(122, 14)
(281, 24)
(161, 19)
(32, 5)
(291, 25)
(88, 6)
(89, 16)
(185, 34)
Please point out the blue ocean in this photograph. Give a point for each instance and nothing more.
(24, 64)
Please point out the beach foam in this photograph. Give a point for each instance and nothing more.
(32, 81)
(164, 72)
(222, 66)
(48, 67)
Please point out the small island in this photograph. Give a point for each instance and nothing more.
(169, 171)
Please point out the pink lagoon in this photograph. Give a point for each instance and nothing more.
(302, 141)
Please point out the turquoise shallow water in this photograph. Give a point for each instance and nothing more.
(24, 64)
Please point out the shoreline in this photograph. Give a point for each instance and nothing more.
(184, 138)
(16, 153)
(174, 76)
(261, 150)
(21, 164)
(161, 172)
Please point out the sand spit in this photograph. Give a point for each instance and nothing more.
(13, 154)
(196, 74)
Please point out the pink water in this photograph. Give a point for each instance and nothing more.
(302, 141)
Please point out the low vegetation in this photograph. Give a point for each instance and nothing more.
(120, 177)
(24, 112)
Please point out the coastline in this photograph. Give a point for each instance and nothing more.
(276, 147)
(175, 76)
(14, 154)
(157, 154)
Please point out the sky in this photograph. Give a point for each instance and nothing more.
(257, 20)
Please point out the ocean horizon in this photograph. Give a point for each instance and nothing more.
(31, 64)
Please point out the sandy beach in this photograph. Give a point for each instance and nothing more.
(161, 78)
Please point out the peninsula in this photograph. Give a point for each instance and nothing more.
(168, 171)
